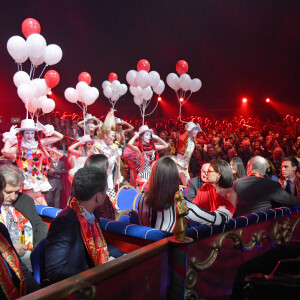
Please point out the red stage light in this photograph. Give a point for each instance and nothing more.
(158, 98)
(245, 100)
(50, 93)
(181, 99)
(268, 100)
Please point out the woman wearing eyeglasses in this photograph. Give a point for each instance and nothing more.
(217, 191)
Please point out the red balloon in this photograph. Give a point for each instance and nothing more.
(112, 77)
(52, 78)
(30, 26)
(143, 64)
(86, 77)
(182, 67)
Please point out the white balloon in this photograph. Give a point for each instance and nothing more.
(30, 107)
(115, 85)
(130, 77)
(123, 89)
(173, 81)
(95, 92)
(107, 92)
(80, 88)
(138, 100)
(25, 92)
(37, 61)
(17, 48)
(21, 77)
(196, 85)
(71, 95)
(147, 93)
(142, 79)
(159, 88)
(53, 54)
(37, 102)
(36, 45)
(39, 87)
(115, 96)
(89, 96)
(105, 84)
(185, 82)
(136, 91)
(154, 78)
(48, 105)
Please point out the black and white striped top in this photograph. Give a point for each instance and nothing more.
(165, 220)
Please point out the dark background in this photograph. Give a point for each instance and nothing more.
(237, 48)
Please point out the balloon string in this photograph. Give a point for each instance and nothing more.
(152, 110)
(30, 70)
(33, 71)
(43, 70)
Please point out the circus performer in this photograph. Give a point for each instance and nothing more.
(89, 126)
(145, 151)
(186, 148)
(86, 143)
(120, 132)
(105, 145)
(29, 154)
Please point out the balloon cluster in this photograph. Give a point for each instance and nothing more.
(143, 83)
(83, 93)
(183, 83)
(113, 89)
(32, 90)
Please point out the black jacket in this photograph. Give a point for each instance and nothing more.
(25, 205)
(66, 254)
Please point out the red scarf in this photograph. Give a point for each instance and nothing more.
(94, 241)
(209, 199)
(256, 174)
(148, 147)
(7, 285)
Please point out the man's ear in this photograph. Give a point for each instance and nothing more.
(100, 198)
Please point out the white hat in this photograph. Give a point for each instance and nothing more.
(119, 121)
(88, 117)
(87, 139)
(28, 124)
(145, 128)
(191, 125)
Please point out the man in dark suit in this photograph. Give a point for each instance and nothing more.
(195, 183)
(256, 193)
(15, 280)
(18, 213)
(57, 169)
(75, 242)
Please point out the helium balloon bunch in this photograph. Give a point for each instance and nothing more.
(183, 84)
(142, 85)
(83, 93)
(113, 89)
(32, 90)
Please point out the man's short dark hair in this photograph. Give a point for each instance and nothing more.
(293, 160)
(88, 181)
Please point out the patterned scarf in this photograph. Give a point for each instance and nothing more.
(7, 285)
(92, 237)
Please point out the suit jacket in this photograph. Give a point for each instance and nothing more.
(31, 284)
(55, 178)
(192, 188)
(66, 254)
(297, 184)
(256, 194)
(25, 205)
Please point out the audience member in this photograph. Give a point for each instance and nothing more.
(238, 168)
(289, 180)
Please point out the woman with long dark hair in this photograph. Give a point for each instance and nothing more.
(238, 167)
(157, 208)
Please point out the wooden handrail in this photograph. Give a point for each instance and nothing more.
(86, 279)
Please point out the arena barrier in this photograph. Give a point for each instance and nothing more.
(159, 267)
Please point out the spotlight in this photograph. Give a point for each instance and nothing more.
(159, 99)
(245, 100)
(181, 99)
(49, 93)
(268, 100)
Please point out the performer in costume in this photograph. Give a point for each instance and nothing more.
(86, 143)
(145, 151)
(105, 145)
(29, 154)
(88, 126)
(186, 148)
(120, 133)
